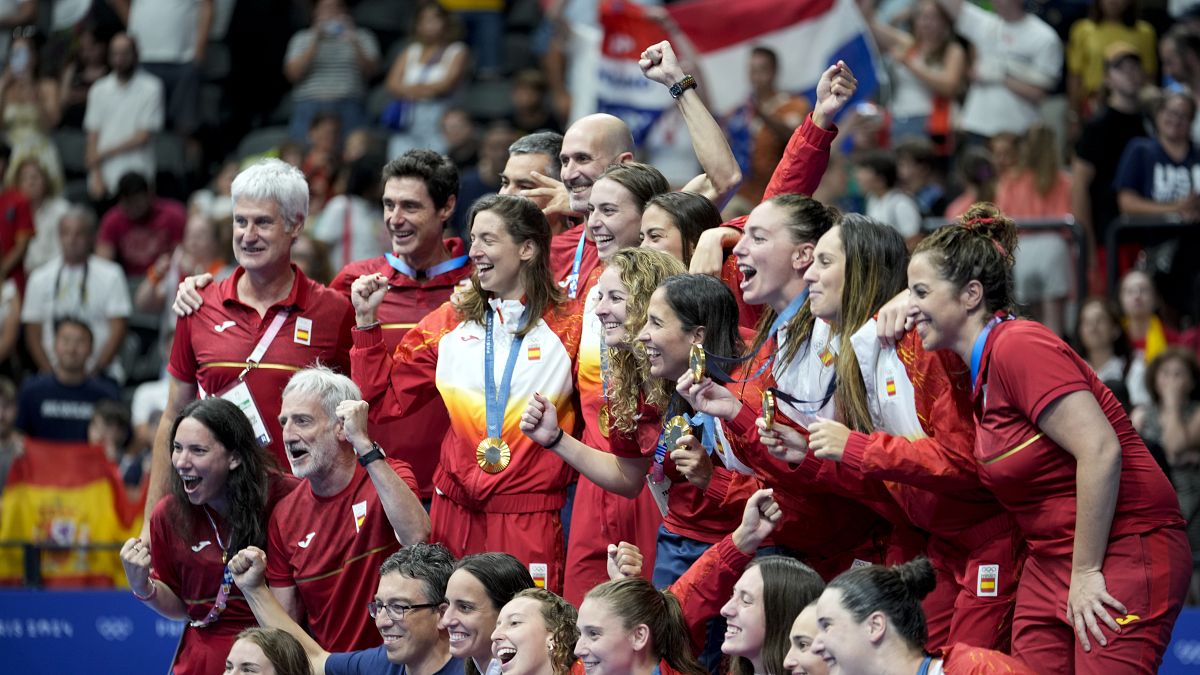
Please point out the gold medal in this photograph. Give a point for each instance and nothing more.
(768, 408)
(696, 362)
(493, 455)
(602, 420)
(675, 428)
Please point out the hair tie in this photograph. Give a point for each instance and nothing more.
(973, 224)
(1000, 249)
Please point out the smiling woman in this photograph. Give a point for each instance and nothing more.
(536, 634)
(223, 490)
(481, 585)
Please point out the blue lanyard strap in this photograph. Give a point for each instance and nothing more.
(440, 268)
(924, 669)
(708, 433)
(496, 398)
(573, 279)
(977, 349)
(780, 321)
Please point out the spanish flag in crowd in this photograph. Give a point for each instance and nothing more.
(66, 494)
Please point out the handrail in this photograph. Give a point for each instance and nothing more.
(32, 555)
(1143, 224)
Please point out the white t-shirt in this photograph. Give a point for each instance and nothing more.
(165, 30)
(117, 111)
(898, 210)
(148, 398)
(1027, 50)
(93, 293)
(45, 245)
(366, 229)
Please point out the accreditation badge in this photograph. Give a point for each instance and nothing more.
(493, 455)
(239, 395)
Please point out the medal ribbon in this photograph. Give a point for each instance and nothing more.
(708, 430)
(496, 398)
(980, 343)
(440, 268)
(780, 321)
(573, 278)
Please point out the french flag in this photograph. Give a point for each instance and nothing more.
(808, 36)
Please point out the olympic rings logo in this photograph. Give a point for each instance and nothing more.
(114, 628)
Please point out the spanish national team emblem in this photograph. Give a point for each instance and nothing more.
(826, 356)
(890, 383)
(539, 572)
(989, 580)
(303, 334)
(360, 516)
(534, 353)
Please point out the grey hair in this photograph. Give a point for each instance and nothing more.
(277, 181)
(81, 212)
(546, 143)
(329, 387)
(431, 564)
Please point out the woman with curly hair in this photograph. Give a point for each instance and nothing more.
(535, 635)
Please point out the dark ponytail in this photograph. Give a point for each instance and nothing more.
(981, 246)
(636, 601)
(895, 591)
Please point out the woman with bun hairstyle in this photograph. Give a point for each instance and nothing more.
(870, 622)
(1109, 562)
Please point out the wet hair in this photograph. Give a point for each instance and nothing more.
(895, 591)
(439, 174)
(329, 387)
(502, 577)
(641, 180)
(980, 246)
(788, 587)
(807, 220)
(642, 270)
(635, 601)
(283, 651)
(691, 214)
(546, 143)
(275, 180)
(1173, 353)
(702, 300)
(247, 484)
(524, 222)
(431, 564)
(560, 618)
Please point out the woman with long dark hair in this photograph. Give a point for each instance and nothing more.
(504, 338)
(223, 490)
(482, 584)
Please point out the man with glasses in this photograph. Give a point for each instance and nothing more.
(353, 510)
(406, 609)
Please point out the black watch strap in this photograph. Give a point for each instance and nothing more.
(677, 89)
(375, 453)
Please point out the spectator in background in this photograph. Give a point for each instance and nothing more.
(111, 429)
(312, 257)
(322, 159)
(16, 227)
(11, 441)
(1040, 189)
(1161, 175)
(461, 137)
(1098, 153)
(214, 200)
(483, 178)
(977, 174)
(422, 79)
(29, 102)
(1018, 62)
(1109, 22)
(86, 66)
(15, 14)
(173, 36)
(1102, 342)
(1148, 335)
(1170, 424)
(1005, 148)
(81, 285)
(58, 405)
(530, 108)
(124, 111)
(930, 73)
(329, 65)
(1180, 49)
(205, 249)
(875, 171)
(141, 227)
(150, 399)
(535, 153)
(348, 226)
(918, 172)
(759, 130)
(10, 325)
(484, 21)
(43, 192)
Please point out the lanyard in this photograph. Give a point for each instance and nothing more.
(226, 580)
(980, 343)
(496, 398)
(440, 268)
(573, 278)
(82, 284)
(780, 321)
(924, 669)
(260, 349)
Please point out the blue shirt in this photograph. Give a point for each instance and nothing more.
(374, 661)
(1148, 170)
(52, 411)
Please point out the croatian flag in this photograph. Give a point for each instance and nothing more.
(808, 36)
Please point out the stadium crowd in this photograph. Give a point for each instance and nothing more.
(415, 368)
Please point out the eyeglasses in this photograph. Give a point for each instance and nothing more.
(395, 610)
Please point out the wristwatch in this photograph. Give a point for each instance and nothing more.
(677, 89)
(375, 453)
